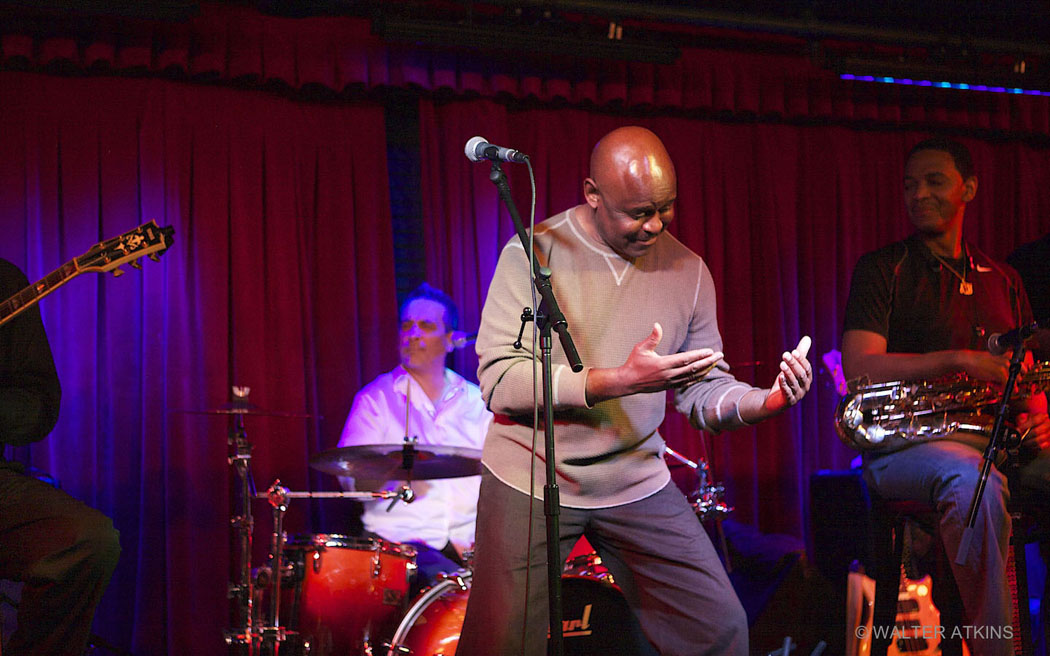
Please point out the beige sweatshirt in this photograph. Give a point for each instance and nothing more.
(609, 454)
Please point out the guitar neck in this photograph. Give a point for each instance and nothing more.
(148, 239)
(25, 299)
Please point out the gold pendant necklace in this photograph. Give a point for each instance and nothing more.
(965, 288)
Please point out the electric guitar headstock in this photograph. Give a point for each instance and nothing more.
(148, 240)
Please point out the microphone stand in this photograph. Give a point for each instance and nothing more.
(996, 442)
(548, 316)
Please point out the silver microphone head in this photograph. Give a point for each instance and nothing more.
(471, 149)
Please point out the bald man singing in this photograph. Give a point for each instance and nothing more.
(641, 307)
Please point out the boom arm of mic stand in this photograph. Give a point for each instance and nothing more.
(542, 274)
(994, 444)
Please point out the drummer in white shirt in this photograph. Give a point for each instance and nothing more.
(444, 410)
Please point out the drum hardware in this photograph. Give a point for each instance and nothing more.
(408, 460)
(242, 407)
(460, 578)
(343, 599)
(247, 634)
(707, 499)
(386, 462)
(250, 634)
(278, 498)
(404, 493)
(597, 617)
(589, 566)
(241, 592)
(260, 629)
(270, 631)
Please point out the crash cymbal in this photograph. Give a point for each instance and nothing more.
(383, 462)
(250, 409)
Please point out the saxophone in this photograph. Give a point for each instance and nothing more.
(888, 416)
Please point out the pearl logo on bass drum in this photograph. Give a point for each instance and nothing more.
(580, 627)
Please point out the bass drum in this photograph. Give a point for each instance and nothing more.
(596, 620)
(433, 623)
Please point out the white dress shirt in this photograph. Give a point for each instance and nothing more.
(444, 509)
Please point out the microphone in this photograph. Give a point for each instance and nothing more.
(460, 339)
(1000, 343)
(478, 149)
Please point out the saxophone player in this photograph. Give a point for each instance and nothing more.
(923, 308)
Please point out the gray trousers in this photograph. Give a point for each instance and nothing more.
(945, 473)
(655, 548)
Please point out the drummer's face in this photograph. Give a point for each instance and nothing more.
(424, 338)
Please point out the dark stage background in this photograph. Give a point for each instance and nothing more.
(264, 142)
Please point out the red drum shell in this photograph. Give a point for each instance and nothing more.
(433, 623)
(596, 620)
(351, 590)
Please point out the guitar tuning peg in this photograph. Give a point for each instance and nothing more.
(118, 272)
(136, 263)
(155, 257)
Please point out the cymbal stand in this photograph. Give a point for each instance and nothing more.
(271, 633)
(408, 459)
(408, 455)
(240, 591)
(707, 500)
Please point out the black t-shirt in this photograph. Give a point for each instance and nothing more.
(29, 388)
(904, 293)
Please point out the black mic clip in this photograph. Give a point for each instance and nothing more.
(526, 316)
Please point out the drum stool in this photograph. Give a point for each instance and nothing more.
(887, 547)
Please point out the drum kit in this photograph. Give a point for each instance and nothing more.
(330, 594)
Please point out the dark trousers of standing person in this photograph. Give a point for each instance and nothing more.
(64, 552)
(655, 548)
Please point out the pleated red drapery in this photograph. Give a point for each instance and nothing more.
(280, 278)
(780, 213)
(337, 54)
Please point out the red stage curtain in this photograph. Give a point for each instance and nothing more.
(779, 212)
(281, 278)
(238, 44)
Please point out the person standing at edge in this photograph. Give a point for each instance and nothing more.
(641, 307)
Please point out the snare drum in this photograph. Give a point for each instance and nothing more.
(346, 592)
(595, 617)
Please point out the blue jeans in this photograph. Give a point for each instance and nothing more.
(944, 474)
